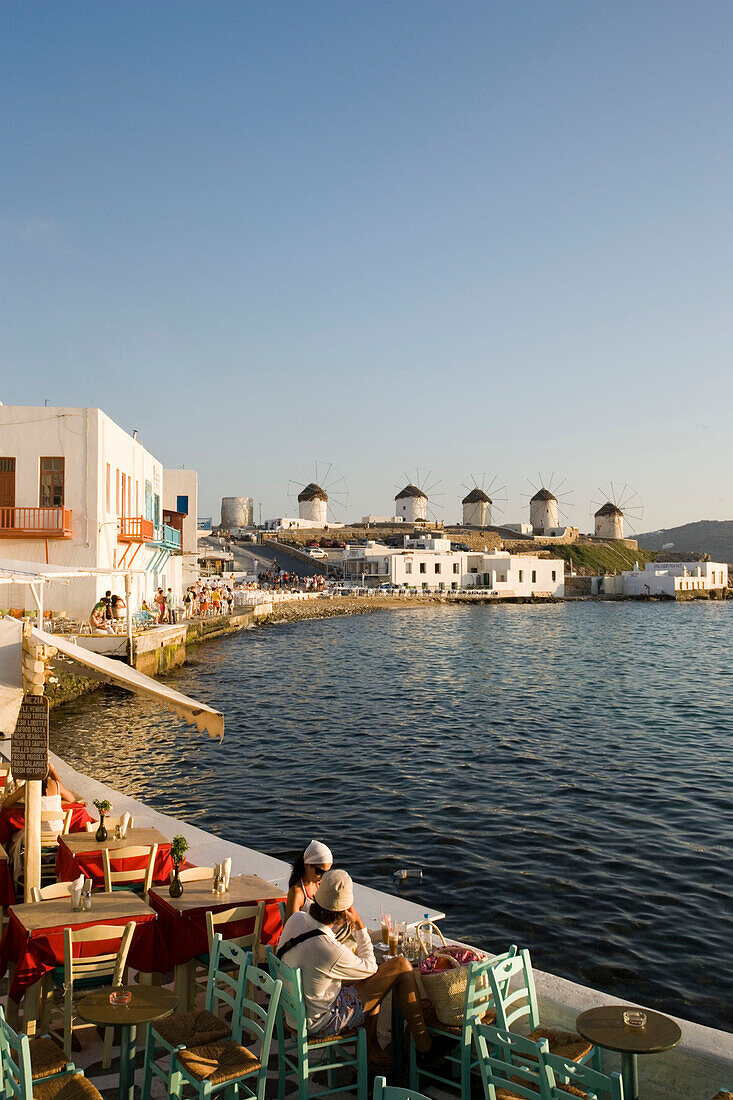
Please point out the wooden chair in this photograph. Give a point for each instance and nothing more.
(509, 1063)
(111, 823)
(297, 1050)
(119, 877)
(383, 1091)
(88, 971)
(194, 874)
(477, 1008)
(224, 991)
(515, 999)
(228, 1064)
(47, 1060)
(37, 1068)
(557, 1073)
(50, 841)
(217, 922)
(53, 890)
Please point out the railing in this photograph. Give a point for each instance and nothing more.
(135, 529)
(169, 538)
(35, 523)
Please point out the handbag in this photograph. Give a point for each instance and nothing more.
(445, 989)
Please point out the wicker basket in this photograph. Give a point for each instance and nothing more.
(446, 990)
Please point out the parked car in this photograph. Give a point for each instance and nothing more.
(326, 543)
(316, 552)
(311, 543)
(337, 545)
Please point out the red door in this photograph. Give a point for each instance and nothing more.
(7, 492)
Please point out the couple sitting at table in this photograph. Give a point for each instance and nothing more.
(344, 989)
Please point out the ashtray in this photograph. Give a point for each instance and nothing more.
(120, 997)
(634, 1017)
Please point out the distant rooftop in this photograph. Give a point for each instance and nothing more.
(312, 492)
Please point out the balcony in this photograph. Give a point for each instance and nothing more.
(168, 538)
(135, 529)
(35, 523)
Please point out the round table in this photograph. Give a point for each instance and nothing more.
(605, 1027)
(148, 1003)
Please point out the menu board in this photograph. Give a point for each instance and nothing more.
(29, 747)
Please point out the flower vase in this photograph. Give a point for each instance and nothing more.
(101, 833)
(176, 887)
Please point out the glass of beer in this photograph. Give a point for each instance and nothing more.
(394, 937)
(386, 925)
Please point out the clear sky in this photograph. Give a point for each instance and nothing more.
(454, 236)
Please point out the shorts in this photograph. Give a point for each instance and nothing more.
(346, 1012)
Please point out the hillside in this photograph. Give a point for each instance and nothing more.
(708, 536)
(592, 558)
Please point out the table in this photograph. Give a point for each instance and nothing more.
(12, 818)
(182, 921)
(605, 1027)
(33, 943)
(147, 1004)
(81, 853)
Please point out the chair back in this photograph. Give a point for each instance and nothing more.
(15, 1059)
(47, 893)
(49, 833)
(195, 874)
(258, 1018)
(556, 1073)
(82, 961)
(508, 1062)
(292, 1002)
(117, 867)
(227, 980)
(383, 1091)
(218, 922)
(126, 820)
(478, 998)
(513, 992)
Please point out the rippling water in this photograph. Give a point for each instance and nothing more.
(561, 774)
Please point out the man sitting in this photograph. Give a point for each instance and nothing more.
(343, 988)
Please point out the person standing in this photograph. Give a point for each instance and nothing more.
(171, 605)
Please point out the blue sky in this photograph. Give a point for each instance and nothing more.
(454, 236)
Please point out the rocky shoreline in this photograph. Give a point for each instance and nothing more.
(343, 605)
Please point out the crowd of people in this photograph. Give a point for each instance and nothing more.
(108, 610)
(277, 579)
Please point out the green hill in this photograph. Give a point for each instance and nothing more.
(592, 558)
(708, 536)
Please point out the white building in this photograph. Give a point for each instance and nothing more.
(77, 490)
(180, 503)
(296, 523)
(427, 563)
(672, 578)
(412, 504)
(543, 511)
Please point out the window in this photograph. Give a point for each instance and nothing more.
(422, 567)
(534, 576)
(52, 483)
(125, 509)
(487, 579)
(454, 586)
(554, 575)
(182, 505)
(108, 489)
(437, 567)
(408, 567)
(118, 492)
(148, 500)
(456, 568)
(156, 510)
(521, 575)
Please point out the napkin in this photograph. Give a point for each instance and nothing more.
(227, 870)
(124, 822)
(75, 889)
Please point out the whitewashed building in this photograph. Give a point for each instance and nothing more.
(672, 578)
(412, 504)
(180, 504)
(313, 505)
(78, 490)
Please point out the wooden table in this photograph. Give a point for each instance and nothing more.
(605, 1027)
(81, 854)
(33, 943)
(147, 1003)
(182, 920)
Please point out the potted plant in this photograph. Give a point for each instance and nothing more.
(103, 808)
(179, 847)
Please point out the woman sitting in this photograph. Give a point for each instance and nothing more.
(52, 793)
(308, 870)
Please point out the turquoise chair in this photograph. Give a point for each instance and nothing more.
(557, 1073)
(462, 1059)
(515, 998)
(225, 990)
(19, 1082)
(228, 1065)
(509, 1063)
(297, 1050)
(383, 1091)
(47, 1058)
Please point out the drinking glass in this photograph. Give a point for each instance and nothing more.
(386, 925)
(393, 939)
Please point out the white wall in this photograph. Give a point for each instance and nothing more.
(520, 574)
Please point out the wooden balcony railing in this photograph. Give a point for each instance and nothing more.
(35, 523)
(135, 529)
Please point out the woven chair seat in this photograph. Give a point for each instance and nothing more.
(71, 1087)
(191, 1029)
(566, 1044)
(47, 1058)
(723, 1095)
(434, 1024)
(217, 1062)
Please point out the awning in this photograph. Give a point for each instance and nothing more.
(107, 670)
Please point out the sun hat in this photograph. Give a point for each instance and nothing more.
(317, 853)
(336, 892)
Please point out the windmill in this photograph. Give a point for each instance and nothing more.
(422, 496)
(483, 497)
(613, 507)
(549, 499)
(320, 492)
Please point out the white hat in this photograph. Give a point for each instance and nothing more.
(317, 853)
(336, 892)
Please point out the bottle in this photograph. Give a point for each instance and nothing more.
(408, 872)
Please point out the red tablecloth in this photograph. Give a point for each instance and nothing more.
(36, 953)
(12, 818)
(184, 934)
(7, 889)
(69, 865)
